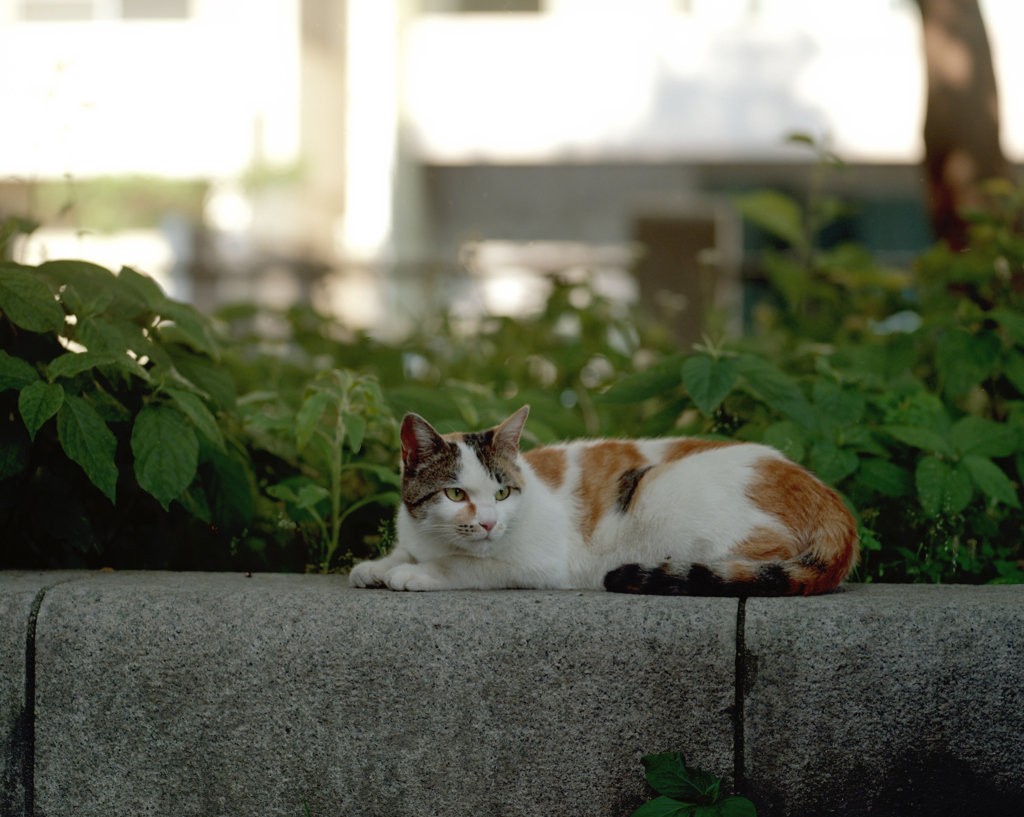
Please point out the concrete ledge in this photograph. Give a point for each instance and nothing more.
(215, 694)
(20, 596)
(899, 700)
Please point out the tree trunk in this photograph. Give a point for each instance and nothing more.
(961, 129)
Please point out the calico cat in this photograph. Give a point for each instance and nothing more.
(673, 516)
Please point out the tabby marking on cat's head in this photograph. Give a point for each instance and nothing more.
(462, 489)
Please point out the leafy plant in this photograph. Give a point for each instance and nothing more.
(911, 405)
(116, 422)
(687, 792)
(339, 414)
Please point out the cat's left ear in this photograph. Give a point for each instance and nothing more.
(418, 440)
(506, 436)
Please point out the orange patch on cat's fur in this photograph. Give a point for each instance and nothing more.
(767, 545)
(550, 464)
(685, 447)
(816, 516)
(597, 492)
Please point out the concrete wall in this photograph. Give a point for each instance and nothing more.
(215, 694)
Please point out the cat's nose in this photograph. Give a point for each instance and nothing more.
(488, 524)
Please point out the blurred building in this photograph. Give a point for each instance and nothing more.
(384, 156)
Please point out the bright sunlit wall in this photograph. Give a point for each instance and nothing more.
(210, 89)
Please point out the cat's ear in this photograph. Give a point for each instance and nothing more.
(418, 439)
(506, 436)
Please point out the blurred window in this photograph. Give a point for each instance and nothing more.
(71, 10)
(154, 9)
(44, 10)
(480, 5)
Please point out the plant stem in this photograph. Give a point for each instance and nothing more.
(336, 468)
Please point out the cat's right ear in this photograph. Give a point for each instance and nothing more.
(506, 436)
(418, 439)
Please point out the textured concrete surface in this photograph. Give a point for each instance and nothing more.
(18, 592)
(886, 700)
(200, 694)
(178, 694)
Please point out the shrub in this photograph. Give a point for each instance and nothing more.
(903, 390)
(123, 442)
(912, 406)
(117, 439)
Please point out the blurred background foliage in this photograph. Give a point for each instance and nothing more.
(903, 389)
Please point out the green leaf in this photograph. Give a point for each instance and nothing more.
(71, 363)
(941, 488)
(15, 373)
(991, 480)
(964, 359)
(665, 807)
(194, 501)
(193, 407)
(269, 422)
(205, 375)
(668, 774)
(309, 416)
(885, 477)
(143, 288)
(775, 213)
(38, 402)
(860, 438)
(311, 494)
(230, 491)
(87, 440)
(654, 381)
(28, 302)
(87, 289)
(736, 807)
(786, 437)
(776, 389)
(923, 438)
(114, 337)
(355, 430)
(107, 406)
(166, 452)
(708, 381)
(189, 324)
(388, 498)
(283, 491)
(1012, 322)
(832, 463)
(386, 475)
(986, 438)
(844, 406)
(789, 277)
(1013, 368)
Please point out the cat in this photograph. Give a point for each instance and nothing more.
(671, 516)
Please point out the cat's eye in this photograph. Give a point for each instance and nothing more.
(455, 494)
(502, 493)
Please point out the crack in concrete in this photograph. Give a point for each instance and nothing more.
(740, 679)
(28, 767)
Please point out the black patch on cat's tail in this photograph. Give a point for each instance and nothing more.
(768, 579)
(655, 581)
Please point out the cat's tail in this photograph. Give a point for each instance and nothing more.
(823, 548)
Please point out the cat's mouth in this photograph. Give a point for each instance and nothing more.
(480, 541)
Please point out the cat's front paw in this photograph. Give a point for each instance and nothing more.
(366, 574)
(411, 577)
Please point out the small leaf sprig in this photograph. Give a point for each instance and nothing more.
(687, 792)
